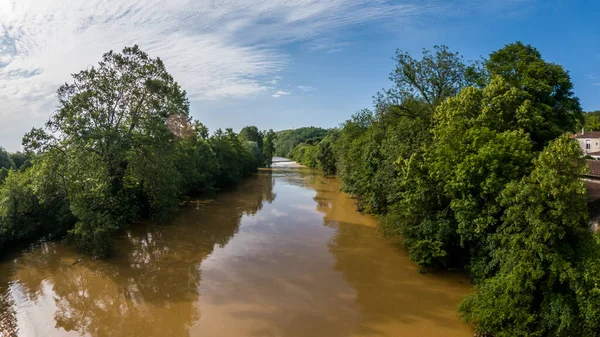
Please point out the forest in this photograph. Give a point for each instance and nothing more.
(471, 165)
(121, 147)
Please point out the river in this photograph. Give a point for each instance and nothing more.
(283, 254)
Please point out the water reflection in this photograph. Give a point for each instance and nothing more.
(392, 295)
(8, 319)
(150, 286)
(285, 254)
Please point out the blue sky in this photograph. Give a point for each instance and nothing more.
(274, 64)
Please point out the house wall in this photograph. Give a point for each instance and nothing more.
(594, 144)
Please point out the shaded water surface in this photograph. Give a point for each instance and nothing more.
(284, 254)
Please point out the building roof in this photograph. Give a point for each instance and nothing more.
(594, 167)
(588, 134)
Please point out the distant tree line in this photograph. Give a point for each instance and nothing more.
(11, 161)
(287, 140)
(120, 147)
(592, 121)
(472, 166)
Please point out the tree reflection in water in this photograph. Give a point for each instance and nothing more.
(8, 319)
(306, 265)
(395, 299)
(151, 281)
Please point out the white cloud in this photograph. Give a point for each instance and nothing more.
(326, 45)
(305, 88)
(214, 49)
(280, 93)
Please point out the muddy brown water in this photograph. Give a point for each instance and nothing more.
(284, 254)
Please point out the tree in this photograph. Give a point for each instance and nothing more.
(5, 159)
(592, 120)
(116, 131)
(326, 154)
(483, 139)
(18, 206)
(547, 284)
(439, 74)
(20, 159)
(3, 174)
(305, 154)
(31, 204)
(448, 201)
(268, 148)
(374, 148)
(548, 106)
(236, 158)
(197, 162)
(251, 134)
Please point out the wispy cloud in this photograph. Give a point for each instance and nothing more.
(326, 45)
(305, 88)
(214, 49)
(275, 80)
(280, 93)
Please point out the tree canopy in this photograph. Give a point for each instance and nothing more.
(120, 147)
(470, 164)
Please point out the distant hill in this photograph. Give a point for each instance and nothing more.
(287, 139)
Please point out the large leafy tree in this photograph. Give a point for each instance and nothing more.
(439, 74)
(449, 198)
(483, 138)
(116, 131)
(547, 283)
(252, 134)
(375, 146)
(547, 104)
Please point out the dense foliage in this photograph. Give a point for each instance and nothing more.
(592, 121)
(547, 277)
(471, 165)
(286, 140)
(121, 147)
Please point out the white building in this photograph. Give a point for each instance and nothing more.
(590, 143)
